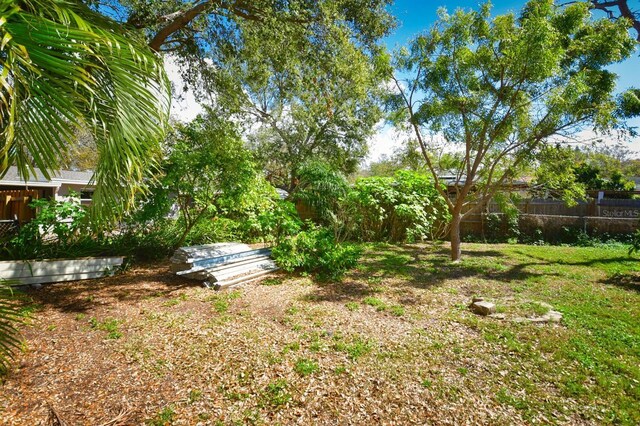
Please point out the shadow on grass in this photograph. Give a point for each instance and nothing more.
(625, 281)
(422, 268)
(131, 286)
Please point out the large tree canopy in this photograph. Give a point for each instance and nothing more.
(203, 35)
(498, 88)
(322, 110)
(63, 68)
(301, 74)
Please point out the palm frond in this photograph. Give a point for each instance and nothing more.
(10, 317)
(64, 67)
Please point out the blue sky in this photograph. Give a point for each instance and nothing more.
(416, 16)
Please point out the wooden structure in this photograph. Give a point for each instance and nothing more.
(14, 204)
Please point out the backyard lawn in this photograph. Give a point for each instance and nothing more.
(394, 343)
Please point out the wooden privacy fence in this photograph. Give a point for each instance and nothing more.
(552, 218)
(14, 204)
(615, 208)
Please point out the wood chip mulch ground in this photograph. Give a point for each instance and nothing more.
(147, 347)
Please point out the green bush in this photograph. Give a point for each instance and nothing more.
(406, 207)
(275, 222)
(213, 230)
(316, 251)
(322, 188)
(635, 243)
(58, 228)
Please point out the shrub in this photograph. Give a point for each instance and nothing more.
(273, 223)
(322, 188)
(635, 243)
(406, 207)
(59, 227)
(316, 251)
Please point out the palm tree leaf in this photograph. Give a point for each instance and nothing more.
(66, 67)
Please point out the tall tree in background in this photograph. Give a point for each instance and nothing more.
(301, 111)
(64, 68)
(499, 88)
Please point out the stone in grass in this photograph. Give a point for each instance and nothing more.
(551, 316)
(483, 308)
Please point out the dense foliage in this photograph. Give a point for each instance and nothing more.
(207, 168)
(406, 207)
(65, 68)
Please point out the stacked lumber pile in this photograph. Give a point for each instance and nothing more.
(222, 265)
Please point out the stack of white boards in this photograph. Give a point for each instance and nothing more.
(222, 265)
(33, 272)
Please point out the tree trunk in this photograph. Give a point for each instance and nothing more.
(456, 251)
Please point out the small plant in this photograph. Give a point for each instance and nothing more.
(291, 347)
(375, 302)
(110, 325)
(397, 310)
(221, 302)
(340, 369)
(163, 418)
(305, 366)
(352, 306)
(354, 349)
(316, 251)
(194, 395)
(271, 281)
(276, 394)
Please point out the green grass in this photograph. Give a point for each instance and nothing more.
(592, 358)
(110, 325)
(276, 394)
(352, 306)
(165, 417)
(222, 301)
(375, 302)
(355, 347)
(413, 335)
(305, 366)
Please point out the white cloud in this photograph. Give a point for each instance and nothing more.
(386, 140)
(184, 105)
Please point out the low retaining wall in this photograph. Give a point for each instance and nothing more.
(25, 272)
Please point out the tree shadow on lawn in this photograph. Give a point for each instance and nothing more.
(628, 281)
(421, 268)
(131, 286)
(617, 260)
